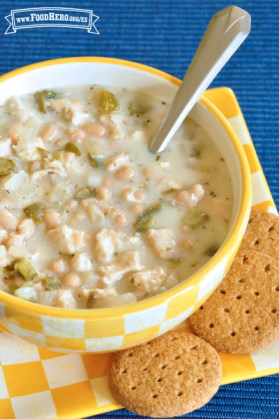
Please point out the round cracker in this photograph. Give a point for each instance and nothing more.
(173, 374)
(262, 233)
(242, 315)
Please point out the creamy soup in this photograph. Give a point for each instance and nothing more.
(89, 217)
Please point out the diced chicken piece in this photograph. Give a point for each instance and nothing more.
(29, 152)
(5, 147)
(71, 111)
(164, 165)
(4, 258)
(65, 299)
(148, 282)
(98, 293)
(51, 168)
(26, 228)
(132, 240)
(124, 263)
(164, 242)
(191, 197)
(96, 298)
(81, 263)
(107, 242)
(28, 142)
(94, 213)
(18, 112)
(3, 235)
(169, 184)
(19, 252)
(138, 136)
(14, 104)
(117, 161)
(114, 124)
(66, 240)
(27, 292)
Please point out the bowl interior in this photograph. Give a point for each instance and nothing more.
(60, 75)
(135, 77)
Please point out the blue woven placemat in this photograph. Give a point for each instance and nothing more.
(165, 34)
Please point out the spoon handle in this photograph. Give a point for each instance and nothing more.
(224, 34)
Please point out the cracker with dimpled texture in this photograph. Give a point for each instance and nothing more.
(262, 233)
(242, 315)
(172, 375)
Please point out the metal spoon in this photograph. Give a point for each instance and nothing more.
(225, 33)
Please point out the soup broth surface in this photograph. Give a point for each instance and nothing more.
(89, 217)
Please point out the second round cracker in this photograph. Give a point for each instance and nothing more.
(262, 233)
(242, 315)
(174, 374)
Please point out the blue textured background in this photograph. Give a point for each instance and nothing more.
(165, 34)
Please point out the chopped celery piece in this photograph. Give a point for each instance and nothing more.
(144, 186)
(136, 108)
(146, 219)
(109, 102)
(51, 282)
(35, 211)
(211, 250)
(6, 166)
(26, 270)
(72, 148)
(158, 158)
(169, 191)
(85, 193)
(175, 264)
(49, 94)
(46, 154)
(93, 162)
(59, 155)
(194, 218)
(91, 300)
(40, 96)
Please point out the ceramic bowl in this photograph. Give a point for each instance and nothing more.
(105, 330)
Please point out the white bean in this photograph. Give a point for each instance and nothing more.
(58, 266)
(94, 129)
(26, 228)
(8, 220)
(49, 133)
(14, 131)
(71, 280)
(52, 219)
(14, 240)
(125, 173)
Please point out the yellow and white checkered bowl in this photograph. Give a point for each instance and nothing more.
(106, 330)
